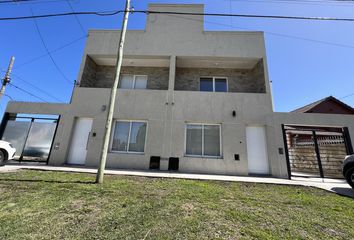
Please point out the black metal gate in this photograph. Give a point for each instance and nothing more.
(316, 151)
(31, 136)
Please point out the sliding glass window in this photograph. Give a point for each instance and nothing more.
(129, 136)
(133, 81)
(213, 84)
(203, 140)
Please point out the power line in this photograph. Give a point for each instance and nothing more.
(297, 2)
(111, 13)
(346, 96)
(105, 13)
(248, 16)
(272, 33)
(76, 17)
(230, 8)
(8, 96)
(51, 51)
(37, 88)
(30, 1)
(47, 50)
(14, 1)
(221, 24)
(39, 57)
(25, 91)
(319, 2)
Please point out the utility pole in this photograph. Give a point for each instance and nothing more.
(108, 128)
(6, 79)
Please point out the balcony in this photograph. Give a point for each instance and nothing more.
(99, 71)
(235, 75)
(240, 75)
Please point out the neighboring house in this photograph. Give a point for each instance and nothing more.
(189, 100)
(330, 105)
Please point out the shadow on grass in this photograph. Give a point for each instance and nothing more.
(348, 192)
(44, 181)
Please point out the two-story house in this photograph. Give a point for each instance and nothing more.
(189, 100)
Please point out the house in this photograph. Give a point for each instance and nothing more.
(189, 100)
(330, 105)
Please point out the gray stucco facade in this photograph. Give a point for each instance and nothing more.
(174, 63)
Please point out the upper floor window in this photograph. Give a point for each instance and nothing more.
(133, 81)
(129, 136)
(213, 84)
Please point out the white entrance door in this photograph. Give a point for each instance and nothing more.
(78, 145)
(257, 150)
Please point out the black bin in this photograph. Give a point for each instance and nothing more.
(154, 162)
(173, 164)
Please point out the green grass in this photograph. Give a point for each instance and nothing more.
(54, 205)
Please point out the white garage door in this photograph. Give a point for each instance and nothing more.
(257, 150)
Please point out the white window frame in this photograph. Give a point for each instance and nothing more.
(202, 155)
(134, 78)
(227, 82)
(128, 142)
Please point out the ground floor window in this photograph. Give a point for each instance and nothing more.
(203, 140)
(129, 136)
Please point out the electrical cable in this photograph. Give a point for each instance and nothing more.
(346, 96)
(8, 96)
(76, 17)
(29, 93)
(49, 54)
(105, 13)
(37, 88)
(318, 3)
(34, 86)
(30, 1)
(246, 15)
(111, 13)
(271, 33)
(51, 51)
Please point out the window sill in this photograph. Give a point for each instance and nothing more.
(140, 89)
(213, 91)
(129, 153)
(206, 157)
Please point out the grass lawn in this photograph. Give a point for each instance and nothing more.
(54, 205)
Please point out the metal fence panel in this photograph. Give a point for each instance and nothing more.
(39, 141)
(16, 133)
(315, 151)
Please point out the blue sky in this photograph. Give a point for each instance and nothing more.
(307, 60)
